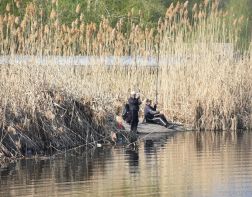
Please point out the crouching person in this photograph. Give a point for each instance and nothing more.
(126, 115)
(151, 115)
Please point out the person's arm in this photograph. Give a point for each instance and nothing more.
(155, 109)
(133, 101)
(139, 101)
(152, 110)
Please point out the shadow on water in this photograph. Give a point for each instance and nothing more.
(186, 164)
(148, 146)
(76, 165)
(202, 138)
(133, 159)
(155, 141)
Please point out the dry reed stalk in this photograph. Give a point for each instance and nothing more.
(185, 69)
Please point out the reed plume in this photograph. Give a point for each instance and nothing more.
(192, 52)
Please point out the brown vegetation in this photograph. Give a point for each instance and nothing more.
(200, 80)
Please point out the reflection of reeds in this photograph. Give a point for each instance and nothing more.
(207, 75)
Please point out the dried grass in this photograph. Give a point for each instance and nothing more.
(197, 69)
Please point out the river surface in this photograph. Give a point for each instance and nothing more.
(186, 164)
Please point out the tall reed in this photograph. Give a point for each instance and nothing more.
(200, 79)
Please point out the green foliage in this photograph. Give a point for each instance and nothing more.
(93, 10)
(113, 10)
(13, 7)
(145, 12)
(242, 9)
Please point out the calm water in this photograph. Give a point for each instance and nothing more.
(186, 164)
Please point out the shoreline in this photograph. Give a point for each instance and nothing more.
(66, 124)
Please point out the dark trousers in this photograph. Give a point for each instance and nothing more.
(134, 120)
(159, 119)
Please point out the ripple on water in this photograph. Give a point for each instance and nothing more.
(186, 164)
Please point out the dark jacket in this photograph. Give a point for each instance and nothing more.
(134, 104)
(126, 115)
(150, 111)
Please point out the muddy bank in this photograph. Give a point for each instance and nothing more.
(59, 123)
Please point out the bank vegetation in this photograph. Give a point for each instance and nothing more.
(202, 79)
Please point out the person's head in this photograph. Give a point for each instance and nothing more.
(133, 94)
(148, 102)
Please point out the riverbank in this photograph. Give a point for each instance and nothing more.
(59, 122)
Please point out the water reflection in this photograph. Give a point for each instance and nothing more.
(198, 142)
(148, 146)
(133, 159)
(186, 164)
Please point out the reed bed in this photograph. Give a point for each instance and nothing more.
(200, 80)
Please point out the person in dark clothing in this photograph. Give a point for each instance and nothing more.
(126, 115)
(151, 115)
(134, 103)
